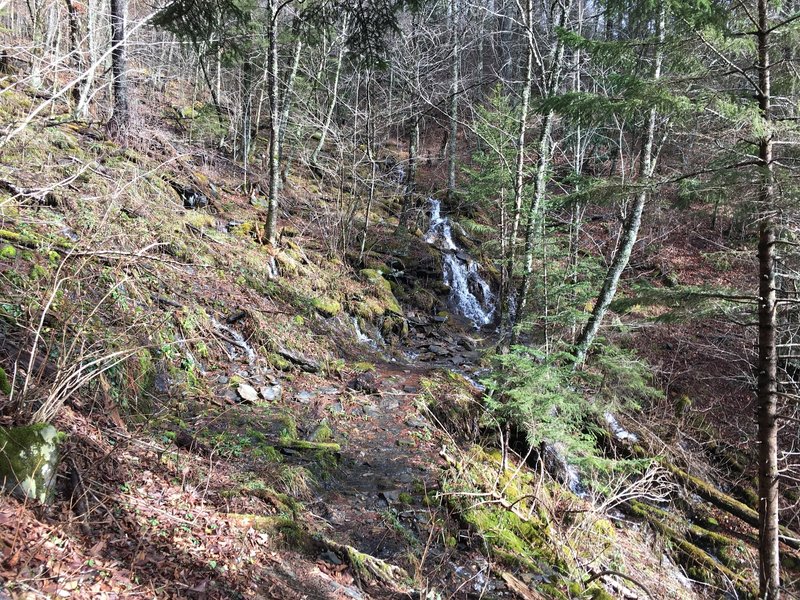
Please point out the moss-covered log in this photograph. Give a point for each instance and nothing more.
(307, 445)
(711, 494)
(690, 552)
(367, 568)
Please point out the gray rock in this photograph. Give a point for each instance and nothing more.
(410, 389)
(415, 421)
(328, 390)
(247, 392)
(336, 408)
(271, 393)
(390, 403)
(437, 349)
(370, 410)
(305, 396)
(223, 379)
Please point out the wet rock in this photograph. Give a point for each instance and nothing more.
(247, 392)
(364, 382)
(468, 343)
(437, 349)
(410, 389)
(306, 364)
(271, 393)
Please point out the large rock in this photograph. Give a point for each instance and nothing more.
(28, 461)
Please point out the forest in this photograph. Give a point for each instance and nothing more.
(405, 299)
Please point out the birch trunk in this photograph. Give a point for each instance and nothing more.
(768, 528)
(519, 173)
(631, 229)
(452, 146)
(334, 98)
(545, 153)
(271, 229)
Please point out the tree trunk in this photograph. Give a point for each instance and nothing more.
(519, 174)
(120, 117)
(768, 530)
(334, 97)
(271, 232)
(452, 14)
(551, 82)
(631, 230)
(286, 102)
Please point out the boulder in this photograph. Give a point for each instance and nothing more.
(247, 392)
(28, 461)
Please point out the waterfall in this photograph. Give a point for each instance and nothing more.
(469, 292)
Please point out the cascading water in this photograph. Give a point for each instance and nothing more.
(469, 292)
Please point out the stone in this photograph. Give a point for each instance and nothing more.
(437, 349)
(329, 390)
(28, 461)
(410, 389)
(390, 496)
(415, 421)
(247, 392)
(390, 403)
(223, 379)
(364, 382)
(305, 396)
(336, 408)
(371, 411)
(271, 393)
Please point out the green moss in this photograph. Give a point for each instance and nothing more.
(38, 272)
(598, 593)
(327, 307)
(8, 252)
(28, 460)
(5, 384)
(383, 290)
(363, 366)
(278, 362)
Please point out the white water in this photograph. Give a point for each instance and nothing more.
(236, 342)
(363, 337)
(469, 292)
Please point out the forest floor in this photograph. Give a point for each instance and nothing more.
(255, 447)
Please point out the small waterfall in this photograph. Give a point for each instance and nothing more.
(363, 337)
(469, 292)
(237, 345)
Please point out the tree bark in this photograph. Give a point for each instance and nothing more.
(286, 102)
(326, 125)
(271, 229)
(631, 230)
(120, 117)
(545, 149)
(768, 528)
(452, 145)
(507, 275)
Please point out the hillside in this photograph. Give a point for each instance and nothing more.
(334, 332)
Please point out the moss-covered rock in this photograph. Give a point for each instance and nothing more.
(8, 251)
(327, 307)
(383, 290)
(5, 384)
(28, 460)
